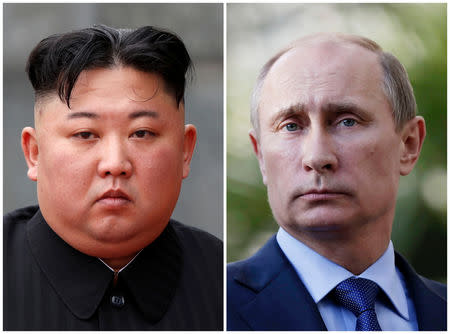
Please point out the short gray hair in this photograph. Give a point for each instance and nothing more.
(396, 84)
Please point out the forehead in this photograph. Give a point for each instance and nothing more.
(113, 92)
(117, 83)
(316, 73)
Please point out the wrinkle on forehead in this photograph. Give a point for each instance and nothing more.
(325, 67)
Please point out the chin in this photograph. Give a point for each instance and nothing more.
(113, 231)
(113, 238)
(321, 220)
(315, 226)
(111, 249)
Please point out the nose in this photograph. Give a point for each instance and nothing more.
(114, 159)
(319, 152)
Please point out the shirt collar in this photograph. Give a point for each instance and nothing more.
(152, 277)
(321, 275)
(384, 273)
(120, 270)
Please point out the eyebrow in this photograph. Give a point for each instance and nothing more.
(344, 107)
(288, 112)
(82, 114)
(333, 107)
(133, 115)
(143, 113)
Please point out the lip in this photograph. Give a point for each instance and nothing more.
(114, 199)
(321, 194)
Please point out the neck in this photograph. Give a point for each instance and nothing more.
(355, 250)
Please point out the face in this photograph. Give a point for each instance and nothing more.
(328, 149)
(109, 169)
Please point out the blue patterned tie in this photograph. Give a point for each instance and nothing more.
(358, 295)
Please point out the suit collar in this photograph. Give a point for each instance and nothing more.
(282, 302)
(431, 308)
(81, 281)
(276, 307)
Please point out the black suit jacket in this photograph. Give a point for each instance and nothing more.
(265, 293)
(175, 283)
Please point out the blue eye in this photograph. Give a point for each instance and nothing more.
(291, 127)
(348, 122)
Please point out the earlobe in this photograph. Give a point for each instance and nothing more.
(257, 149)
(31, 151)
(190, 138)
(413, 135)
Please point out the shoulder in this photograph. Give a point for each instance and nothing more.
(265, 275)
(438, 288)
(202, 252)
(21, 215)
(248, 277)
(418, 281)
(260, 268)
(429, 297)
(15, 222)
(240, 287)
(196, 240)
(240, 291)
(17, 254)
(201, 284)
(237, 271)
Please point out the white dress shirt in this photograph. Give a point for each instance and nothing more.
(320, 276)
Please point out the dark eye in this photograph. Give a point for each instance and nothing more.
(291, 127)
(348, 122)
(84, 135)
(142, 134)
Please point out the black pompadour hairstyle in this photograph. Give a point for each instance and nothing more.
(56, 62)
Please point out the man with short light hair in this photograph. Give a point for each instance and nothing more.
(395, 80)
(334, 128)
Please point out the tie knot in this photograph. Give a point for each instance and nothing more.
(357, 294)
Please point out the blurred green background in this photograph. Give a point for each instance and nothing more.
(417, 35)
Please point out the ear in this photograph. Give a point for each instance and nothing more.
(412, 135)
(190, 138)
(30, 151)
(257, 149)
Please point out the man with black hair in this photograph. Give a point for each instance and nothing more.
(109, 151)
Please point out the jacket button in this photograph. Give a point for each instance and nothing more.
(117, 301)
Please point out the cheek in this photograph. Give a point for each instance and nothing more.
(375, 158)
(59, 166)
(159, 168)
(371, 168)
(64, 182)
(275, 160)
(282, 159)
(283, 168)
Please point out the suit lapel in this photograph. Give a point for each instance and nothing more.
(431, 308)
(281, 301)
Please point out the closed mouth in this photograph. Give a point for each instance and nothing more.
(321, 194)
(116, 195)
